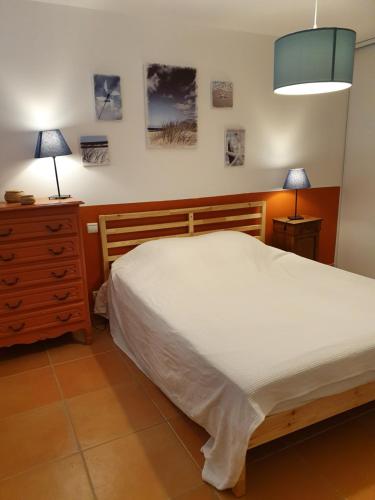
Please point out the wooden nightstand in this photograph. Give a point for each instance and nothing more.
(297, 236)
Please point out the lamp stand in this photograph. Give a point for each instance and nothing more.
(58, 196)
(295, 216)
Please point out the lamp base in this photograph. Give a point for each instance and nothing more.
(295, 217)
(59, 197)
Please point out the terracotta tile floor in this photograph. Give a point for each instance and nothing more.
(82, 422)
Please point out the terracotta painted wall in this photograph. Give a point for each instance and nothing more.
(320, 202)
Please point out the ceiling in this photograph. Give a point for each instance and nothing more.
(271, 17)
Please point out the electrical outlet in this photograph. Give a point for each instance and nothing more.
(92, 227)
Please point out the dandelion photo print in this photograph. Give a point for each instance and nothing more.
(171, 106)
(235, 147)
(108, 105)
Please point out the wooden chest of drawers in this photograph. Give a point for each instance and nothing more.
(299, 236)
(43, 291)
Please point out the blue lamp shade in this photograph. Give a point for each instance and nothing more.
(296, 179)
(314, 61)
(51, 143)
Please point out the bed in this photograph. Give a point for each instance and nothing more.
(227, 328)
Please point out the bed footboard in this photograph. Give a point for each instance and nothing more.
(281, 424)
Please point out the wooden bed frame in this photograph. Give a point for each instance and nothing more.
(122, 232)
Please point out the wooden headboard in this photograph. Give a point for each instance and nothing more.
(121, 232)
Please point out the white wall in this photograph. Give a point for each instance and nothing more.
(48, 55)
(356, 244)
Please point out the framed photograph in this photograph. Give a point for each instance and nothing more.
(222, 94)
(108, 105)
(235, 147)
(94, 150)
(171, 106)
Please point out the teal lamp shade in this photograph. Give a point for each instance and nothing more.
(314, 61)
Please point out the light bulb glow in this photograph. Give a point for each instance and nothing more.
(312, 88)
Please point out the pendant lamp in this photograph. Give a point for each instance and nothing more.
(314, 61)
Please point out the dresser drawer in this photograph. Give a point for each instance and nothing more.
(12, 280)
(40, 227)
(45, 250)
(25, 301)
(41, 320)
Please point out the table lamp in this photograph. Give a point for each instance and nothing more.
(296, 179)
(51, 143)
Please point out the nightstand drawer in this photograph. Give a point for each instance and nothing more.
(41, 320)
(23, 301)
(42, 227)
(35, 276)
(307, 228)
(45, 250)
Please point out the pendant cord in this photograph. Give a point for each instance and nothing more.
(316, 15)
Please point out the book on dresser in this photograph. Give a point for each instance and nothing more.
(43, 289)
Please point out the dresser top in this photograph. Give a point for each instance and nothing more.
(40, 203)
(307, 218)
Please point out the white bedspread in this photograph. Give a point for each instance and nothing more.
(230, 329)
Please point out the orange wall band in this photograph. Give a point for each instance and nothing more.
(319, 202)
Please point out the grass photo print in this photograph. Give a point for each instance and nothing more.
(94, 149)
(171, 93)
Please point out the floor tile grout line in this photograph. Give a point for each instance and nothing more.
(145, 391)
(73, 431)
(191, 457)
(116, 438)
(4, 377)
(184, 446)
(51, 363)
(37, 466)
(132, 381)
(93, 355)
(101, 388)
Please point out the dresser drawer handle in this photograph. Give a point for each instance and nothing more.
(14, 306)
(10, 282)
(54, 229)
(8, 258)
(64, 320)
(56, 252)
(6, 233)
(17, 328)
(61, 275)
(62, 297)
